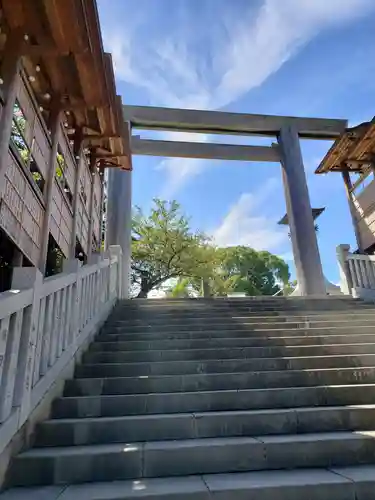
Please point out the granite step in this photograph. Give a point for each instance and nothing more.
(214, 324)
(157, 334)
(218, 381)
(240, 317)
(204, 401)
(114, 369)
(346, 483)
(106, 352)
(135, 460)
(102, 430)
(121, 315)
(227, 341)
(261, 398)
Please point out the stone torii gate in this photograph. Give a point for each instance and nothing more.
(287, 152)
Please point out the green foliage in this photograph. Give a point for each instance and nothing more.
(289, 287)
(243, 269)
(180, 290)
(60, 167)
(17, 135)
(164, 247)
(18, 140)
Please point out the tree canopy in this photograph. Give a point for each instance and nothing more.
(165, 247)
(243, 269)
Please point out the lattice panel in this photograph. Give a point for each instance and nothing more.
(82, 225)
(21, 214)
(70, 168)
(28, 110)
(41, 149)
(61, 220)
(97, 190)
(85, 181)
(95, 226)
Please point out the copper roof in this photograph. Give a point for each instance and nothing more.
(353, 151)
(64, 41)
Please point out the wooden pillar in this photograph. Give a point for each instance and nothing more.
(10, 74)
(349, 195)
(113, 197)
(54, 124)
(91, 203)
(101, 210)
(78, 146)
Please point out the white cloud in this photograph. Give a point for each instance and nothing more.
(245, 48)
(260, 46)
(242, 225)
(179, 171)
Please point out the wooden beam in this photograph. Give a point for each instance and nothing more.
(41, 50)
(101, 136)
(110, 155)
(211, 151)
(218, 122)
(359, 163)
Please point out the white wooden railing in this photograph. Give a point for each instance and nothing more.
(357, 273)
(43, 325)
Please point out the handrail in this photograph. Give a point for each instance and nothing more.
(357, 273)
(43, 323)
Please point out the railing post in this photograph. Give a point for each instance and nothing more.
(96, 258)
(370, 272)
(346, 282)
(74, 266)
(365, 277)
(78, 146)
(115, 250)
(25, 278)
(358, 273)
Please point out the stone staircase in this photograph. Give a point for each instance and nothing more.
(261, 399)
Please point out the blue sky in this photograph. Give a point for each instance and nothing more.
(292, 57)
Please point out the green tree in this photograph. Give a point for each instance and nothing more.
(243, 269)
(289, 287)
(165, 247)
(180, 290)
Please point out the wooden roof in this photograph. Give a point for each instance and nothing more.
(63, 40)
(354, 151)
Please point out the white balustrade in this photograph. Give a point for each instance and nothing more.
(357, 273)
(43, 323)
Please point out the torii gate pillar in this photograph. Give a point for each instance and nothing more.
(119, 213)
(304, 242)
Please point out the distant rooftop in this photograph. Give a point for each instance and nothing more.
(315, 212)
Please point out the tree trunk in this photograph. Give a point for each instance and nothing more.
(145, 288)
